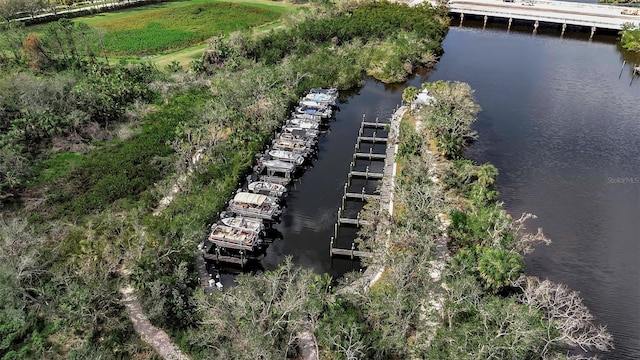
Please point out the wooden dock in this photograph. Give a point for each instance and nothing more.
(372, 139)
(367, 174)
(352, 253)
(203, 274)
(242, 261)
(350, 221)
(375, 125)
(370, 156)
(361, 196)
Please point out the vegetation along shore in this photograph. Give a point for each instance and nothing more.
(91, 147)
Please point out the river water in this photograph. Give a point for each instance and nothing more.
(563, 131)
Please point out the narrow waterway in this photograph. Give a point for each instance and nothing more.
(308, 221)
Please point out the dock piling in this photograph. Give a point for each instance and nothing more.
(622, 68)
(362, 195)
(331, 247)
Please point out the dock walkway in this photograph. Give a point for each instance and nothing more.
(385, 195)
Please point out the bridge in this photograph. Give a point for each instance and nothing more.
(564, 13)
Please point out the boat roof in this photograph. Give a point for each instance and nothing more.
(250, 198)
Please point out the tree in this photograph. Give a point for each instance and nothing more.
(630, 39)
(21, 271)
(12, 35)
(35, 51)
(409, 94)
(499, 268)
(566, 312)
(13, 170)
(33, 6)
(263, 316)
(450, 115)
(487, 175)
(8, 8)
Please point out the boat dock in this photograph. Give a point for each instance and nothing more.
(217, 257)
(349, 221)
(369, 133)
(368, 156)
(285, 160)
(206, 280)
(352, 253)
(367, 174)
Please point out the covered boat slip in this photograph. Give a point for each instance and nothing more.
(304, 123)
(267, 188)
(299, 137)
(276, 165)
(251, 199)
(324, 99)
(255, 205)
(228, 237)
(296, 131)
(291, 146)
(288, 156)
(244, 223)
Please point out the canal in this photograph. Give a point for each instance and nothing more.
(564, 132)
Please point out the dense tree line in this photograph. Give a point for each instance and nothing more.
(369, 22)
(385, 40)
(630, 39)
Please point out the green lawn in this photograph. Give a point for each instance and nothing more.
(177, 25)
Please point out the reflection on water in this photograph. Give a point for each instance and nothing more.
(563, 130)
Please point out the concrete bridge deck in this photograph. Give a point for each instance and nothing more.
(558, 12)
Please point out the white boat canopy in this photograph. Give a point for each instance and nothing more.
(250, 198)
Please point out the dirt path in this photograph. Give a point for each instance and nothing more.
(152, 335)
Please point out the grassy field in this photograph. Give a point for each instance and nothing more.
(174, 26)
